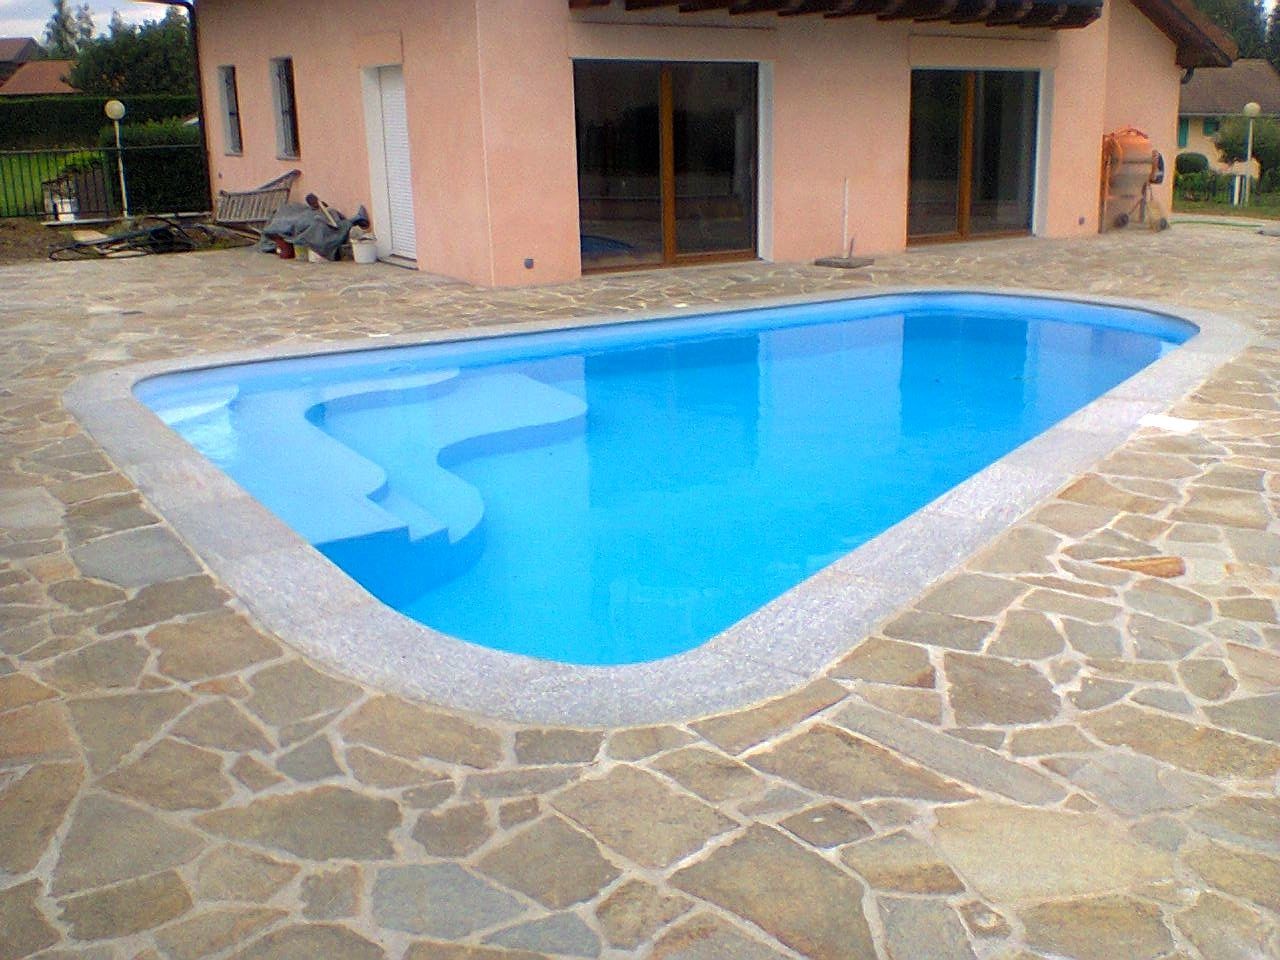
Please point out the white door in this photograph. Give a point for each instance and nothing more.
(395, 151)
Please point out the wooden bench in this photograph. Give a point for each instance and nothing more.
(249, 210)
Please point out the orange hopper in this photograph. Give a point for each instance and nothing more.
(1130, 166)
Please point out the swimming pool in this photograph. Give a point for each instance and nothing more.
(622, 493)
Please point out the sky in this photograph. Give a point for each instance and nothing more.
(26, 18)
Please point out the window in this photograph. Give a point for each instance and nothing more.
(1211, 125)
(230, 110)
(1184, 129)
(286, 107)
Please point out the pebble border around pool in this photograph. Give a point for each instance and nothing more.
(312, 605)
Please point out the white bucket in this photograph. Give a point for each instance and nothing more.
(364, 250)
(67, 208)
(314, 256)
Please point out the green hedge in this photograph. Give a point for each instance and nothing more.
(74, 120)
(163, 164)
(1191, 163)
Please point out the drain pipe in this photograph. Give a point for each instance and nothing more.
(193, 23)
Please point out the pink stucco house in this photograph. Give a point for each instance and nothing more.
(522, 141)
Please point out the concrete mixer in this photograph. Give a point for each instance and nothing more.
(1130, 167)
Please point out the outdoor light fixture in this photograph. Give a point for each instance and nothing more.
(115, 111)
(1251, 110)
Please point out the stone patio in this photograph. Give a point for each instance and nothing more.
(1066, 748)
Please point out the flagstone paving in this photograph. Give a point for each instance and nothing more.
(1067, 748)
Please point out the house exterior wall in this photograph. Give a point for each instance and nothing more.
(489, 89)
(1200, 142)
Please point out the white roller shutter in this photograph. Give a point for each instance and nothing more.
(395, 136)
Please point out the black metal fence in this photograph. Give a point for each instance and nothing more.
(84, 184)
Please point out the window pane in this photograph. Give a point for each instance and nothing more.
(286, 108)
(1004, 150)
(937, 116)
(715, 156)
(619, 178)
(231, 110)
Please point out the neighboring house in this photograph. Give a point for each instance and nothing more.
(38, 78)
(525, 141)
(1213, 95)
(15, 51)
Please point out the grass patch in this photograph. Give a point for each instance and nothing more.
(1261, 207)
(21, 176)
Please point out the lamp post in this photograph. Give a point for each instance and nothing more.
(1251, 110)
(114, 110)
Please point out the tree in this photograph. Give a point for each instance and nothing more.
(1245, 20)
(154, 57)
(1233, 134)
(68, 30)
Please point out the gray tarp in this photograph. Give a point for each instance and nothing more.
(303, 225)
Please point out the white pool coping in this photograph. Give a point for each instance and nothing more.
(293, 591)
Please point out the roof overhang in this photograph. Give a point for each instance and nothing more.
(1053, 14)
(1200, 41)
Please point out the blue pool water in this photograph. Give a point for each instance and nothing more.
(622, 493)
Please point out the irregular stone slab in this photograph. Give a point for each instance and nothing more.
(1021, 550)
(113, 663)
(222, 725)
(1095, 693)
(551, 862)
(310, 942)
(31, 810)
(901, 863)
(1070, 605)
(437, 950)
(454, 832)
(442, 900)
(1013, 854)
(254, 774)
(321, 824)
(1174, 701)
(82, 595)
(821, 915)
(310, 761)
(563, 934)
(1168, 602)
(293, 691)
(1164, 567)
(706, 937)
(19, 690)
(127, 908)
(1251, 609)
(987, 690)
(213, 931)
(237, 873)
(164, 601)
(1093, 639)
(110, 841)
(136, 558)
(25, 928)
(1256, 716)
(1226, 931)
(939, 630)
(379, 770)
(923, 930)
(332, 895)
(1098, 928)
(641, 742)
(881, 660)
(210, 646)
(1136, 786)
(982, 921)
(525, 781)
(1184, 744)
(557, 746)
(174, 776)
(393, 726)
(637, 815)
(951, 756)
(631, 914)
(710, 775)
(1257, 669)
(34, 733)
(1226, 508)
(1207, 679)
(971, 595)
(1246, 821)
(836, 763)
(109, 727)
(827, 825)
(1097, 492)
(515, 812)
(1041, 741)
(1026, 635)
(735, 732)
(1250, 876)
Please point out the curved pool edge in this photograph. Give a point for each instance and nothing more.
(315, 608)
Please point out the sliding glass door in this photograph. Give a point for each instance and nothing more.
(972, 153)
(666, 161)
